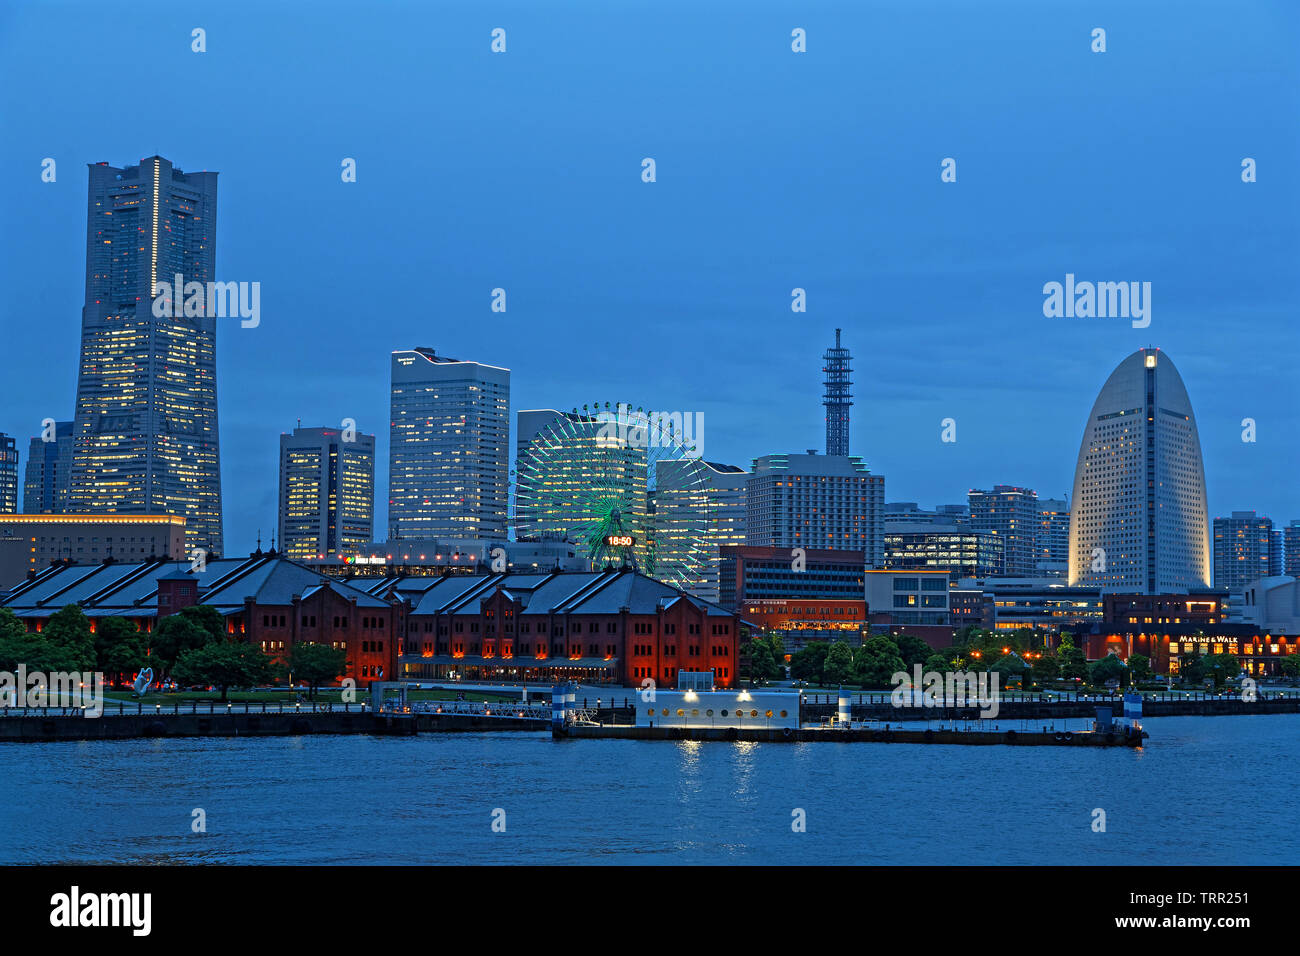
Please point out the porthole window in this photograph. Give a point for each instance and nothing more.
(709, 712)
(769, 713)
(783, 713)
(665, 711)
(695, 713)
(724, 713)
(753, 713)
(680, 712)
(651, 711)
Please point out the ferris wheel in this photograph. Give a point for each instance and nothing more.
(623, 486)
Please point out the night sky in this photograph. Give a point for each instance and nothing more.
(775, 170)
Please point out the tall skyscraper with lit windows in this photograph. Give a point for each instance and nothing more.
(1138, 517)
(448, 449)
(145, 430)
(699, 507)
(327, 492)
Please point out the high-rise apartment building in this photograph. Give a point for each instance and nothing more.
(327, 492)
(1011, 513)
(699, 507)
(1244, 550)
(1053, 538)
(8, 475)
(145, 433)
(49, 469)
(1291, 549)
(1138, 517)
(449, 448)
(816, 501)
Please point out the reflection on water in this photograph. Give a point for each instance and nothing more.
(429, 800)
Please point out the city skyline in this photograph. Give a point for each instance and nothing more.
(960, 267)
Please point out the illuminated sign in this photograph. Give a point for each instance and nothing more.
(619, 540)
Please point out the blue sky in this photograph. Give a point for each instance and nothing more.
(775, 170)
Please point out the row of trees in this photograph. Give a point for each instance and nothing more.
(1021, 656)
(192, 647)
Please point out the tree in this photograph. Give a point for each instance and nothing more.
(1290, 666)
(1072, 662)
(1223, 667)
(1109, 668)
(224, 665)
(208, 619)
(763, 663)
(838, 667)
(317, 663)
(1010, 666)
(877, 662)
(174, 636)
(1139, 667)
(807, 664)
(67, 634)
(1192, 670)
(937, 663)
(912, 649)
(1047, 668)
(119, 648)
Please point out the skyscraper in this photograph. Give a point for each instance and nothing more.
(327, 491)
(8, 475)
(838, 397)
(449, 448)
(699, 507)
(145, 432)
(1138, 521)
(1011, 513)
(816, 501)
(1244, 550)
(49, 468)
(1052, 550)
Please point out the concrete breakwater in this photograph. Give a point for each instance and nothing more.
(54, 727)
(1116, 738)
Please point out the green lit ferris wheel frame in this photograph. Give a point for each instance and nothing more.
(584, 479)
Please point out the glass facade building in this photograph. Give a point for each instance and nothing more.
(49, 468)
(327, 492)
(1138, 522)
(449, 448)
(145, 431)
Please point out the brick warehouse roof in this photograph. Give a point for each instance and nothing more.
(131, 589)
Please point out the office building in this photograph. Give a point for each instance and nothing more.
(145, 432)
(1138, 520)
(327, 492)
(751, 574)
(31, 543)
(449, 448)
(8, 475)
(49, 470)
(961, 552)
